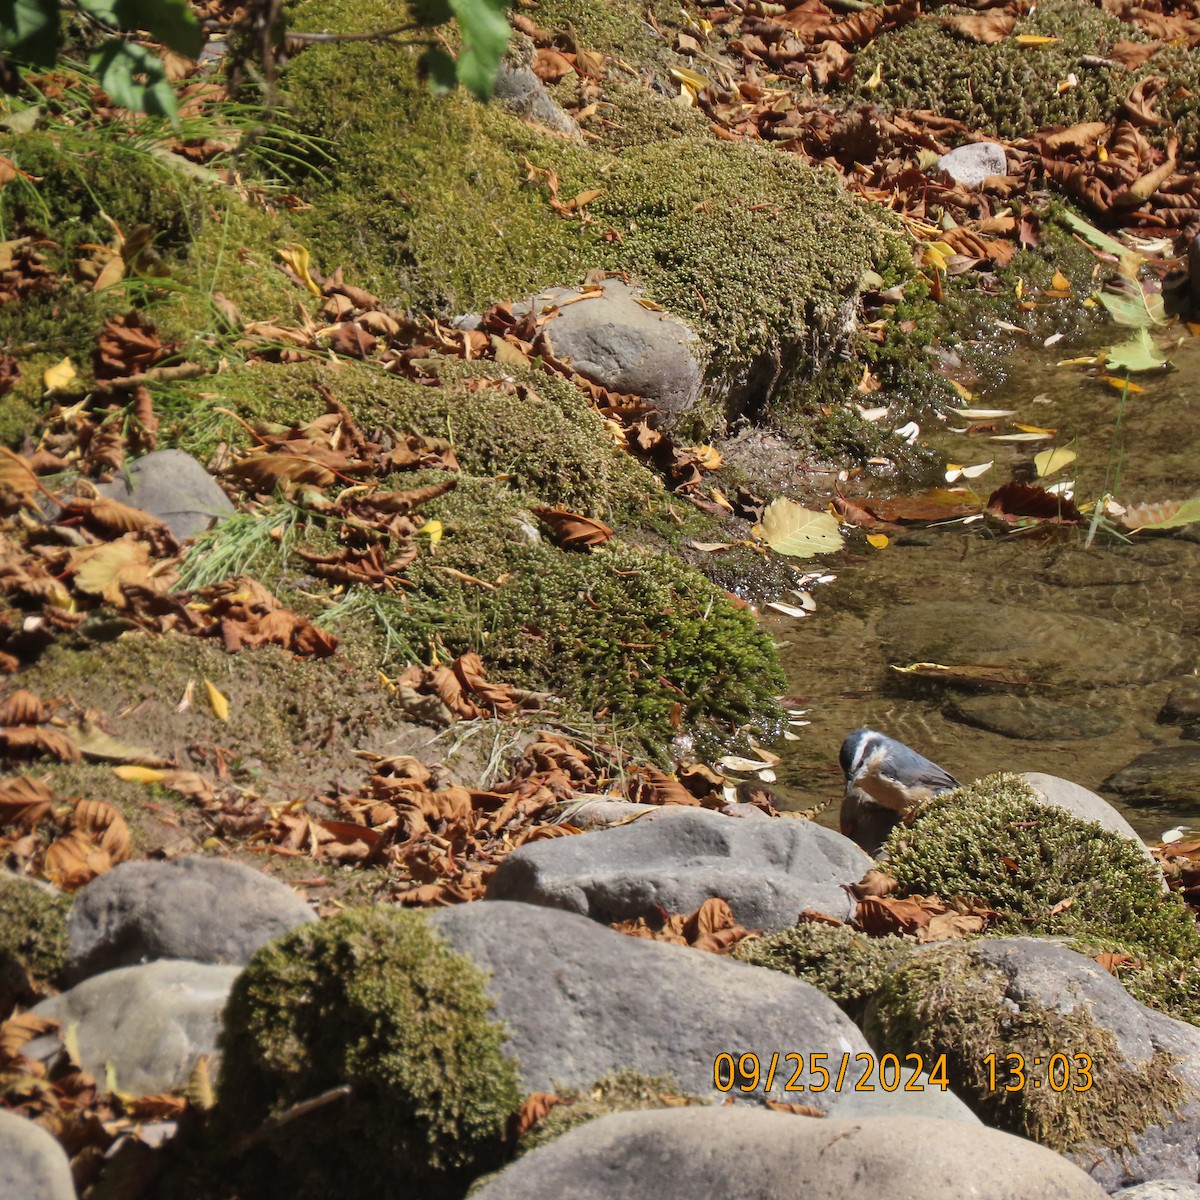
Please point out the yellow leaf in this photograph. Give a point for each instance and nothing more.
(1102, 153)
(217, 701)
(134, 774)
(296, 257)
(1035, 429)
(876, 77)
(709, 457)
(1050, 461)
(878, 540)
(1120, 384)
(1034, 39)
(964, 392)
(1019, 289)
(433, 530)
(1060, 283)
(1088, 360)
(690, 78)
(790, 528)
(936, 255)
(58, 376)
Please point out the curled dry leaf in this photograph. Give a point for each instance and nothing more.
(1013, 502)
(571, 530)
(22, 707)
(106, 825)
(33, 741)
(875, 883)
(18, 1031)
(535, 1108)
(24, 801)
(74, 860)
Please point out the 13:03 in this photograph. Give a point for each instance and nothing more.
(1056, 1072)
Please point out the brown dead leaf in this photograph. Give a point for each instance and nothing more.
(17, 1031)
(550, 66)
(1013, 502)
(33, 741)
(24, 801)
(987, 28)
(75, 859)
(105, 825)
(875, 883)
(22, 707)
(533, 1110)
(572, 531)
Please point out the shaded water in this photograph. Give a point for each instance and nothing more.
(1102, 633)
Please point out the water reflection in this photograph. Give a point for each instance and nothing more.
(1101, 634)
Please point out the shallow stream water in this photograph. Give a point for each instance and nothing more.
(1101, 634)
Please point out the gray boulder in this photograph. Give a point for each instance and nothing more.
(203, 909)
(971, 164)
(1161, 1189)
(1028, 983)
(33, 1166)
(621, 345)
(518, 88)
(582, 1002)
(770, 871)
(1086, 805)
(175, 488)
(741, 1153)
(149, 1023)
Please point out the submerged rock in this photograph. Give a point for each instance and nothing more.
(203, 909)
(1036, 718)
(770, 871)
(741, 1153)
(1167, 776)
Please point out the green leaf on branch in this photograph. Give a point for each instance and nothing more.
(171, 22)
(29, 30)
(485, 33)
(134, 78)
(439, 70)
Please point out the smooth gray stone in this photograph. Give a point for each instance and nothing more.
(202, 909)
(517, 87)
(33, 1166)
(924, 1100)
(675, 859)
(175, 488)
(615, 342)
(741, 1153)
(582, 1002)
(1084, 804)
(1036, 718)
(151, 1023)
(1161, 1189)
(971, 164)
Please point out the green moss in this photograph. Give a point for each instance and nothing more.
(17, 420)
(846, 965)
(33, 938)
(944, 1000)
(634, 113)
(1004, 89)
(373, 999)
(1171, 986)
(1044, 870)
(534, 429)
(761, 253)
(626, 1091)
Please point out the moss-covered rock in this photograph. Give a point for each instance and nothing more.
(848, 966)
(374, 1000)
(761, 253)
(33, 939)
(1011, 90)
(946, 1000)
(626, 1091)
(1044, 870)
(535, 431)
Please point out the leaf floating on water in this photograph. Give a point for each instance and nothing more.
(788, 610)
(977, 674)
(1133, 305)
(956, 471)
(878, 540)
(1050, 461)
(1115, 381)
(1164, 514)
(790, 528)
(217, 701)
(985, 414)
(1137, 353)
